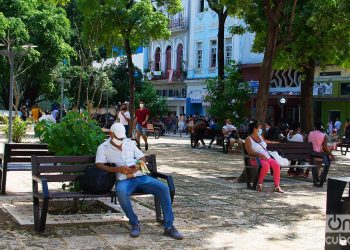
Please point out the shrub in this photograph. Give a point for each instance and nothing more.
(19, 129)
(76, 134)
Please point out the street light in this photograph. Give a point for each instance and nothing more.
(283, 101)
(10, 54)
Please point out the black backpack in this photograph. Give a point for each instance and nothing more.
(97, 181)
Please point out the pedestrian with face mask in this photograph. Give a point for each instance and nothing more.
(124, 117)
(256, 146)
(140, 124)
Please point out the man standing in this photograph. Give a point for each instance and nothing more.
(124, 117)
(337, 125)
(140, 124)
(124, 154)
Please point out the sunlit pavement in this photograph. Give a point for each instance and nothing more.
(211, 210)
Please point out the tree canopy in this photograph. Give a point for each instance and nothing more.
(35, 22)
(126, 24)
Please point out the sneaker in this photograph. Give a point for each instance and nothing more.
(146, 146)
(173, 233)
(135, 230)
(259, 187)
(278, 190)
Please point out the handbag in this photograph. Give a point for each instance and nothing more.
(283, 162)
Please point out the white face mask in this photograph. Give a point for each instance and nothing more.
(142, 105)
(117, 142)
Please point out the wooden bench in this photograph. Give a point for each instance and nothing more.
(152, 130)
(17, 157)
(46, 169)
(299, 152)
(344, 146)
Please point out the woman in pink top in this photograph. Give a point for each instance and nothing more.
(319, 143)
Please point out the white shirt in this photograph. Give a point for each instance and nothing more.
(107, 153)
(47, 117)
(122, 120)
(229, 128)
(337, 125)
(297, 137)
(260, 148)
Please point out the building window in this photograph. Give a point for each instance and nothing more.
(165, 92)
(201, 6)
(179, 61)
(167, 61)
(213, 48)
(157, 60)
(199, 63)
(171, 93)
(228, 50)
(345, 88)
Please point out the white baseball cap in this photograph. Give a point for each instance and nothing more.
(118, 129)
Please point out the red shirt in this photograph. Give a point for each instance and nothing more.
(141, 116)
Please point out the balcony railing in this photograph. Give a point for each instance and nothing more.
(177, 24)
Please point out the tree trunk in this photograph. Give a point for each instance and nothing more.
(266, 73)
(221, 45)
(307, 96)
(131, 80)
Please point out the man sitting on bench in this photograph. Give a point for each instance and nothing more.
(124, 153)
(231, 133)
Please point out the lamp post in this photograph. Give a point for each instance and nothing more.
(62, 96)
(283, 101)
(10, 54)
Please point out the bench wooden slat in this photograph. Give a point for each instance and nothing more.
(62, 168)
(65, 159)
(67, 195)
(61, 177)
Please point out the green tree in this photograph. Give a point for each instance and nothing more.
(229, 103)
(272, 21)
(321, 36)
(155, 103)
(40, 23)
(127, 24)
(120, 80)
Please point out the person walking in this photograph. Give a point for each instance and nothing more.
(140, 124)
(337, 125)
(181, 124)
(124, 117)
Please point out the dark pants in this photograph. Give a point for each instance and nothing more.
(126, 130)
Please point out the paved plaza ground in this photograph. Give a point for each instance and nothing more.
(211, 210)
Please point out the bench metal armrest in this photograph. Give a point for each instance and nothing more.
(44, 186)
(169, 180)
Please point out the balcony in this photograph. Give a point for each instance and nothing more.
(178, 24)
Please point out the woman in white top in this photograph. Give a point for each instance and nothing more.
(295, 136)
(124, 117)
(256, 146)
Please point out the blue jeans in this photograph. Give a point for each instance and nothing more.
(148, 185)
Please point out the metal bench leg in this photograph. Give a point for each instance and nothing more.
(248, 172)
(159, 217)
(3, 181)
(43, 215)
(315, 178)
(36, 213)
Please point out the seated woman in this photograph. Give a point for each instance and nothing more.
(295, 135)
(319, 144)
(256, 146)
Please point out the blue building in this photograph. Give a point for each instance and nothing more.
(180, 66)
